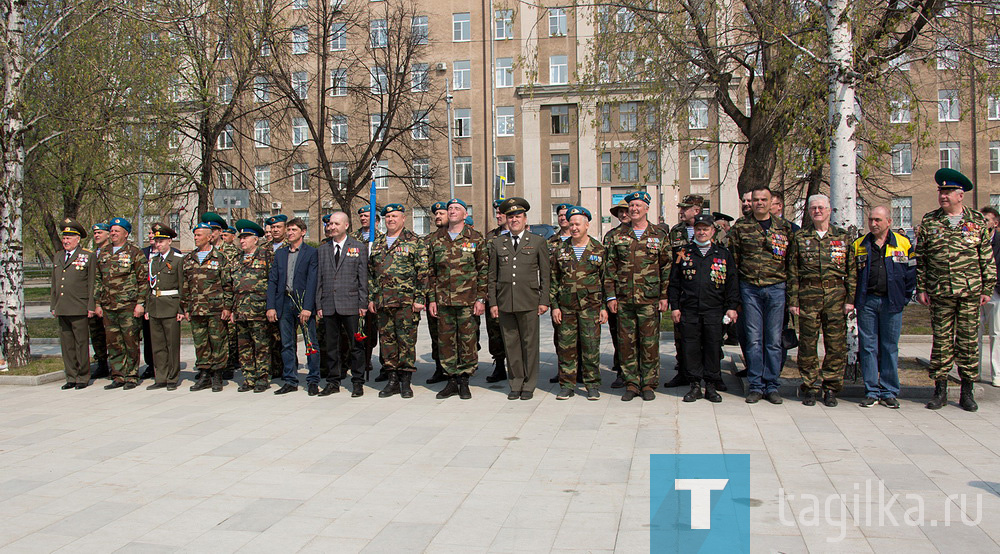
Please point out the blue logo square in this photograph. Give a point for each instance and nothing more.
(699, 503)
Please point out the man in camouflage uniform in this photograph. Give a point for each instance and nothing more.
(821, 284)
(955, 276)
(163, 307)
(97, 338)
(276, 234)
(206, 300)
(636, 277)
(397, 283)
(250, 273)
(493, 333)
(760, 248)
(575, 291)
(457, 295)
(554, 242)
(120, 288)
(371, 323)
(440, 212)
(222, 240)
(620, 211)
(680, 235)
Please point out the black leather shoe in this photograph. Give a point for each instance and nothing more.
(514, 395)
(648, 395)
(438, 376)
(285, 389)
(830, 399)
(628, 395)
(967, 398)
(172, 387)
(754, 397)
(156, 386)
(554, 379)
(405, 390)
(720, 386)
(940, 398)
(148, 374)
(81, 386)
(114, 385)
(463, 387)
(451, 389)
(129, 386)
(261, 387)
(313, 389)
(527, 395)
(868, 402)
(202, 383)
(330, 388)
(693, 394)
(809, 399)
(678, 381)
(499, 374)
(383, 375)
(619, 382)
(217, 381)
(773, 397)
(711, 395)
(359, 390)
(68, 386)
(244, 387)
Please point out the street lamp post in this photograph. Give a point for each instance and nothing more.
(451, 162)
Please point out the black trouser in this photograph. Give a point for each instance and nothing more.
(335, 325)
(701, 346)
(679, 348)
(613, 327)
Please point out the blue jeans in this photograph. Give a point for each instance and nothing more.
(878, 347)
(288, 325)
(763, 318)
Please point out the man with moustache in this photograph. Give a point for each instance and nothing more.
(72, 302)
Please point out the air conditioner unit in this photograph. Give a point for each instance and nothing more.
(275, 205)
(327, 204)
(441, 66)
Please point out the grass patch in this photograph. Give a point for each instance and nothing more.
(37, 293)
(38, 366)
(49, 328)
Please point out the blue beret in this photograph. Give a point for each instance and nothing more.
(102, 227)
(389, 208)
(578, 210)
(202, 225)
(438, 206)
(280, 218)
(326, 218)
(230, 230)
(364, 209)
(468, 220)
(561, 207)
(458, 201)
(638, 195)
(496, 203)
(121, 222)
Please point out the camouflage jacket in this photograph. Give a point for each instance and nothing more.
(250, 284)
(397, 274)
(231, 251)
(761, 256)
(577, 284)
(678, 237)
(208, 286)
(955, 261)
(494, 233)
(811, 258)
(637, 271)
(122, 278)
(554, 242)
(362, 235)
(269, 245)
(457, 268)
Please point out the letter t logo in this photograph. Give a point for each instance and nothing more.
(701, 498)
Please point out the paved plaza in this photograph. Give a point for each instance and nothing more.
(157, 471)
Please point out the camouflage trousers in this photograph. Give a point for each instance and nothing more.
(457, 336)
(122, 328)
(822, 308)
(954, 322)
(233, 350)
(495, 337)
(255, 350)
(579, 347)
(211, 341)
(639, 345)
(397, 329)
(97, 339)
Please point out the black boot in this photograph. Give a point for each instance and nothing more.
(217, 380)
(463, 387)
(966, 399)
(499, 372)
(102, 370)
(451, 389)
(619, 381)
(438, 375)
(202, 382)
(940, 397)
(679, 380)
(383, 375)
(693, 394)
(392, 386)
(404, 384)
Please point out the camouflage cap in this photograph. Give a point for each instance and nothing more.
(692, 200)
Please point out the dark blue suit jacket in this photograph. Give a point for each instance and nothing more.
(304, 280)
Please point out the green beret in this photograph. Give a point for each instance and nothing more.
(950, 179)
(578, 210)
(389, 208)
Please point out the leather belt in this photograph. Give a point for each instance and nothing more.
(174, 292)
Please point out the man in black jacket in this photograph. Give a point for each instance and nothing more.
(703, 290)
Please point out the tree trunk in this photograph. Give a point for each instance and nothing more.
(843, 160)
(759, 162)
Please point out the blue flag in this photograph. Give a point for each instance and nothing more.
(371, 214)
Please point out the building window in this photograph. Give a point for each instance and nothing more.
(628, 167)
(950, 154)
(505, 72)
(461, 27)
(300, 131)
(224, 50)
(421, 126)
(422, 173)
(375, 123)
(338, 129)
(948, 109)
(625, 20)
(463, 123)
(225, 89)
(902, 159)
(304, 216)
(652, 166)
(264, 44)
(381, 176)
(507, 169)
(300, 40)
(174, 141)
(560, 169)
(261, 89)
(504, 24)
(995, 201)
(262, 178)
(463, 170)
(993, 108)
(560, 120)
(604, 118)
(606, 167)
(338, 171)
(419, 79)
(225, 139)
(901, 62)
(378, 33)
(379, 81)
(338, 37)
(338, 82)
(698, 159)
(902, 211)
(697, 114)
(628, 116)
(994, 160)
(947, 54)
(300, 84)
(505, 121)
(421, 221)
(462, 74)
(225, 178)
(900, 110)
(419, 30)
(558, 70)
(300, 4)
(262, 133)
(557, 22)
(300, 177)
